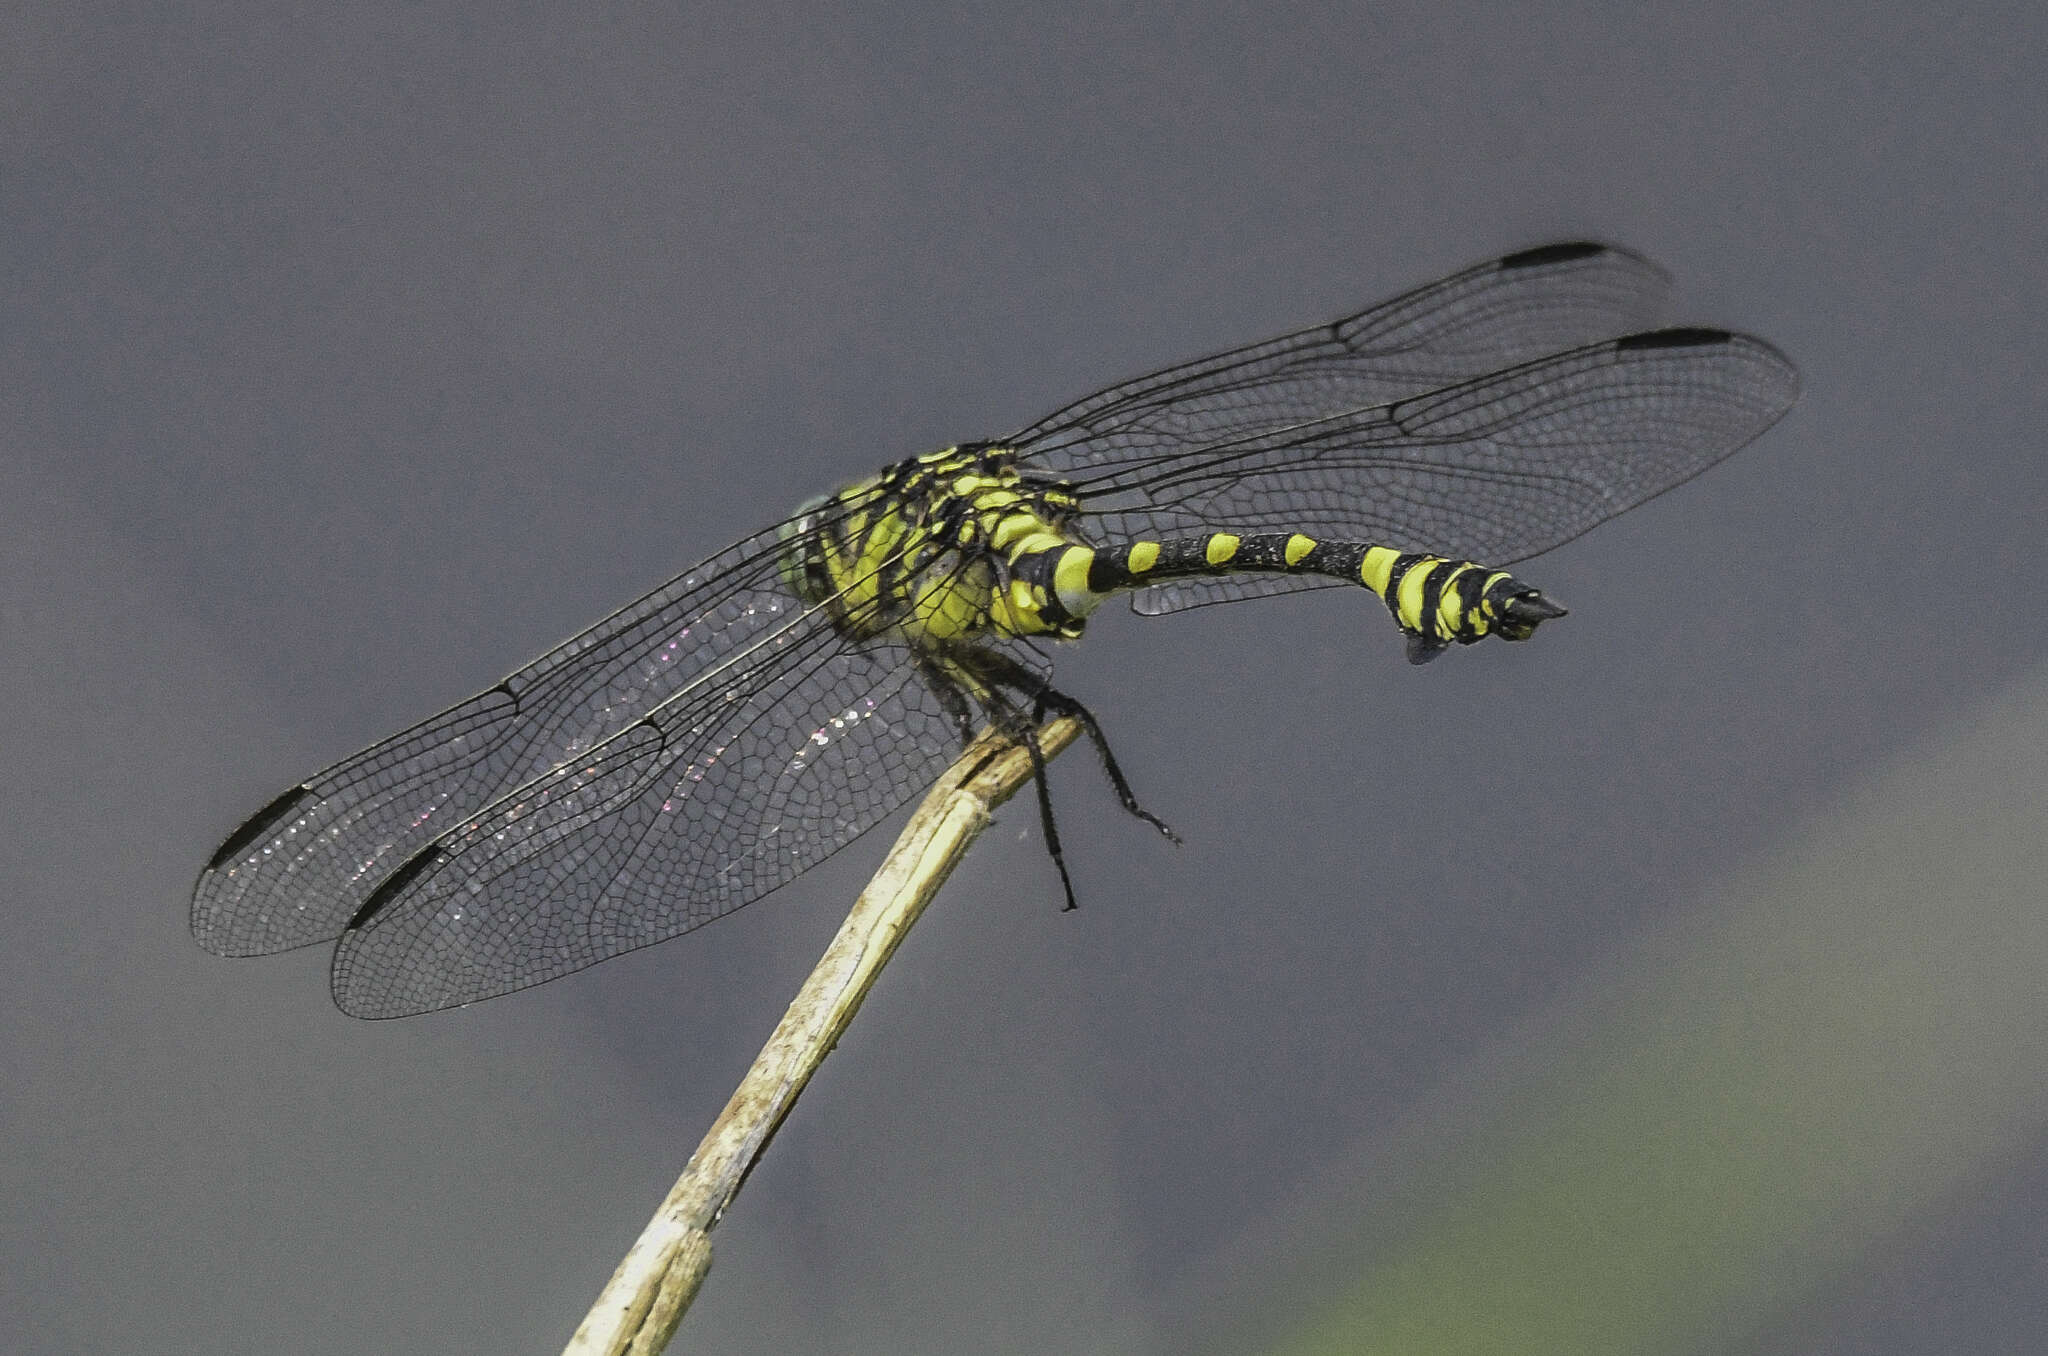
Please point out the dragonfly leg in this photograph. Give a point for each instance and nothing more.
(952, 695)
(1049, 700)
(988, 680)
(1045, 816)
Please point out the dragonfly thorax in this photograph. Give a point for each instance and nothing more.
(938, 551)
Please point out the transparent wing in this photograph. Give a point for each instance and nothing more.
(1495, 470)
(1486, 318)
(702, 806)
(298, 870)
(1489, 317)
(1182, 594)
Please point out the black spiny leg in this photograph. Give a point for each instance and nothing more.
(984, 676)
(1006, 717)
(1052, 828)
(1047, 699)
(952, 695)
(1051, 699)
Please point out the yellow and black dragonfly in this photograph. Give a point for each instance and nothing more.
(706, 744)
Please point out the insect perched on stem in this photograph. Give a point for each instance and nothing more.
(711, 741)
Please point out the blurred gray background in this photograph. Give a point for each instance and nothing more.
(1665, 984)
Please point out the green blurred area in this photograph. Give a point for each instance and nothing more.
(1840, 1037)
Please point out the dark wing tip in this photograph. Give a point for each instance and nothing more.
(1562, 252)
(1691, 336)
(395, 883)
(258, 826)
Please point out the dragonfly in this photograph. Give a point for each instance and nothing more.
(710, 742)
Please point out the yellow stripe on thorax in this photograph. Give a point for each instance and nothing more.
(854, 561)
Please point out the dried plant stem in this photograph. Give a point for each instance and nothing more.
(646, 1297)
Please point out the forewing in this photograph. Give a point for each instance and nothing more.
(301, 868)
(1489, 317)
(699, 808)
(1493, 470)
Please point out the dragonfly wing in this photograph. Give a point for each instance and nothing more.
(699, 808)
(1182, 594)
(301, 868)
(1481, 320)
(1494, 470)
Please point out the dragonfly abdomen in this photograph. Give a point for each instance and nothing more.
(1435, 600)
